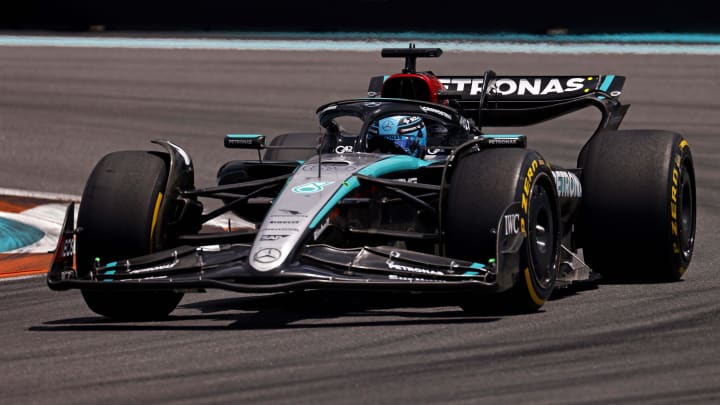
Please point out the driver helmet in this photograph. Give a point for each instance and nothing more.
(406, 131)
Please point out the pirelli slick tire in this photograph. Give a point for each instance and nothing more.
(292, 139)
(637, 220)
(481, 188)
(117, 220)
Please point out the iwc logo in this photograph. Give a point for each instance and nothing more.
(267, 255)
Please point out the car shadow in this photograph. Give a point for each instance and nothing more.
(576, 288)
(296, 310)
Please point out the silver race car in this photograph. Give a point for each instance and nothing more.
(399, 191)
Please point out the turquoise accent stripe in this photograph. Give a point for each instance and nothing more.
(393, 164)
(474, 265)
(512, 136)
(109, 273)
(244, 136)
(111, 264)
(15, 235)
(388, 165)
(607, 82)
(347, 186)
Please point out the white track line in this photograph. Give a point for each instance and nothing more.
(39, 194)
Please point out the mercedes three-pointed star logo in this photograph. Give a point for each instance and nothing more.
(267, 255)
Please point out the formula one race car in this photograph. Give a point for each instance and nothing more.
(399, 191)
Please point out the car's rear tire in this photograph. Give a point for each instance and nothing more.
(292, 139)
(482, 186)
(637, 221)
(117, 220)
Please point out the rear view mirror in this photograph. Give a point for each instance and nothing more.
(245, 141)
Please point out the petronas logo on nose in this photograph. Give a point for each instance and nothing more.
(313, 187)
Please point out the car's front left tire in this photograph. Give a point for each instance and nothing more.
(483, 185)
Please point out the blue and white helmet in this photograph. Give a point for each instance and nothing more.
(407, 132)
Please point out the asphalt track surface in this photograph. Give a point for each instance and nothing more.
(61, 109)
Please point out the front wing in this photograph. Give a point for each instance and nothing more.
(187, 268)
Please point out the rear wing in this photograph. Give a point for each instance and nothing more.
(527, 100)
(534, 88)
(519, 88)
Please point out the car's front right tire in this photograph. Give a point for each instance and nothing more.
(118, 219)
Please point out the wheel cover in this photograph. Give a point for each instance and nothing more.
(541, 236)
